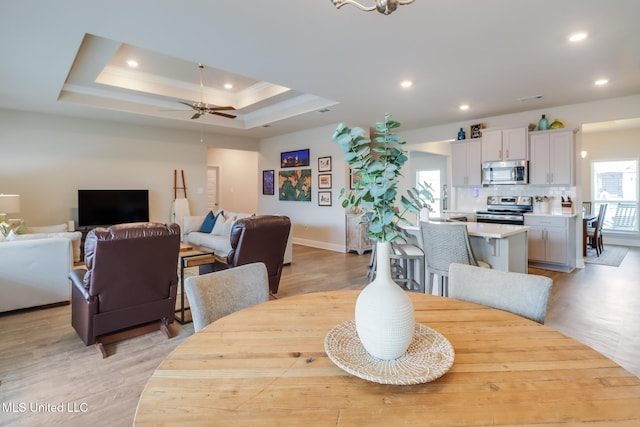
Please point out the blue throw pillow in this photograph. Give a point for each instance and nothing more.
(208, 223)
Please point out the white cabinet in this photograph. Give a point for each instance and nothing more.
(552, 157)
(504, 144)
(466, 163)
(552, 241)
(358, 234)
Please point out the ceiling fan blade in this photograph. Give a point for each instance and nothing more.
(196, 115)
(188, 104)
(220, 108)
(228, 116)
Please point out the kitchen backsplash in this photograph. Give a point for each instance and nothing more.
(471, 199)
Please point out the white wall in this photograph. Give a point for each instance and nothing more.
(313, 225)
(324, 227)
(238, 179)
(47, 158)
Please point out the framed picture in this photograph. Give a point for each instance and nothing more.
(295, 185)
(324, 164)
(324, 198)
(324, 180)
(354, 178)
(475, 131)
(292, 159)
(268, 182)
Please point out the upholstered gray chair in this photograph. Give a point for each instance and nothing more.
(215, 295)
(522, 294)
(445, 243)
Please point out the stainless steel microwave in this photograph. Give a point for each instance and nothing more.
(512, 172)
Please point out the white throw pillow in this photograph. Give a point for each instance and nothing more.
(192, 223)
(218, 228)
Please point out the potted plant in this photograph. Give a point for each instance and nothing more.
(384, 313)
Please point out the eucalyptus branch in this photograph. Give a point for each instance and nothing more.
(377, 190)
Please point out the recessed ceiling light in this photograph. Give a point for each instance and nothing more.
(406, 83)
(228, 86)
(132, 63)
(601, 82)
(576, 37)
(464, 107)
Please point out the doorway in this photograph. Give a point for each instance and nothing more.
(213, 187)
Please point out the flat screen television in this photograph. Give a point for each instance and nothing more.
(109, 207)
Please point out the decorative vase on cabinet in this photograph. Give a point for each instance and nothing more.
(384, 314)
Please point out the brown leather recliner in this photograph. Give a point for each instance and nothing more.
(261, 238)
(131, 279)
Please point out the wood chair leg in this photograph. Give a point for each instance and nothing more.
(101, 349)
(164, 327)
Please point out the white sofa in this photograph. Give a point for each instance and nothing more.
(34, 272)
(218, 239)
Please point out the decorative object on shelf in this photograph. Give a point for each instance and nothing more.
(295, 185)
(383, 6)
(567, 205)
(268, 182)
(556, 124)
(461, 134)
(292, 159)
(384, 315)
(543, 123)
(324, 198)
(475, 131)
(324, 180)
(9, 203)
(324, 164)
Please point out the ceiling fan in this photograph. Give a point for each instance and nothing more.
(202, 107)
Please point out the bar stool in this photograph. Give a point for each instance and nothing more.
(444, 244)
(405, 259)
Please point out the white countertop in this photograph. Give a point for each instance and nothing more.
(496, 231)
(481, 229)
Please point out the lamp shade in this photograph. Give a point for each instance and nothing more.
(9, 203)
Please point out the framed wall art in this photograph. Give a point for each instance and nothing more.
(475, 131)
(324, 198)
(268, 182)
(354, 178)
(324, 164)
(324, 180)
(295, 185)
(292, 159)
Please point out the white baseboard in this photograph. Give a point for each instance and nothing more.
(320, 245)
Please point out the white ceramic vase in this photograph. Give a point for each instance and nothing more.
(384, 313)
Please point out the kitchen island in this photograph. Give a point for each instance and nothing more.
(503, 246)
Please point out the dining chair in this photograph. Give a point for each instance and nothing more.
(526, 295)
(218, 294)
(586, 207)
(443, 244)
(594, 233)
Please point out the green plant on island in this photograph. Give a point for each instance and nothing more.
(376, 192)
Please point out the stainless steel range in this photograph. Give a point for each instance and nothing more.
(506, 209)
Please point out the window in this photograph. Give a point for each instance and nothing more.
(432, 177)
(616, 184)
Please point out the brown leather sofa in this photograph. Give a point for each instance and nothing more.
(260, 238)
(131, 279)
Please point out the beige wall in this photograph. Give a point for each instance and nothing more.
(47, 158)
(238, 178)
(602, 146)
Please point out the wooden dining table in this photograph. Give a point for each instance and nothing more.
(267, 366)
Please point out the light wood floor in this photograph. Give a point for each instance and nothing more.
(42, 360)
